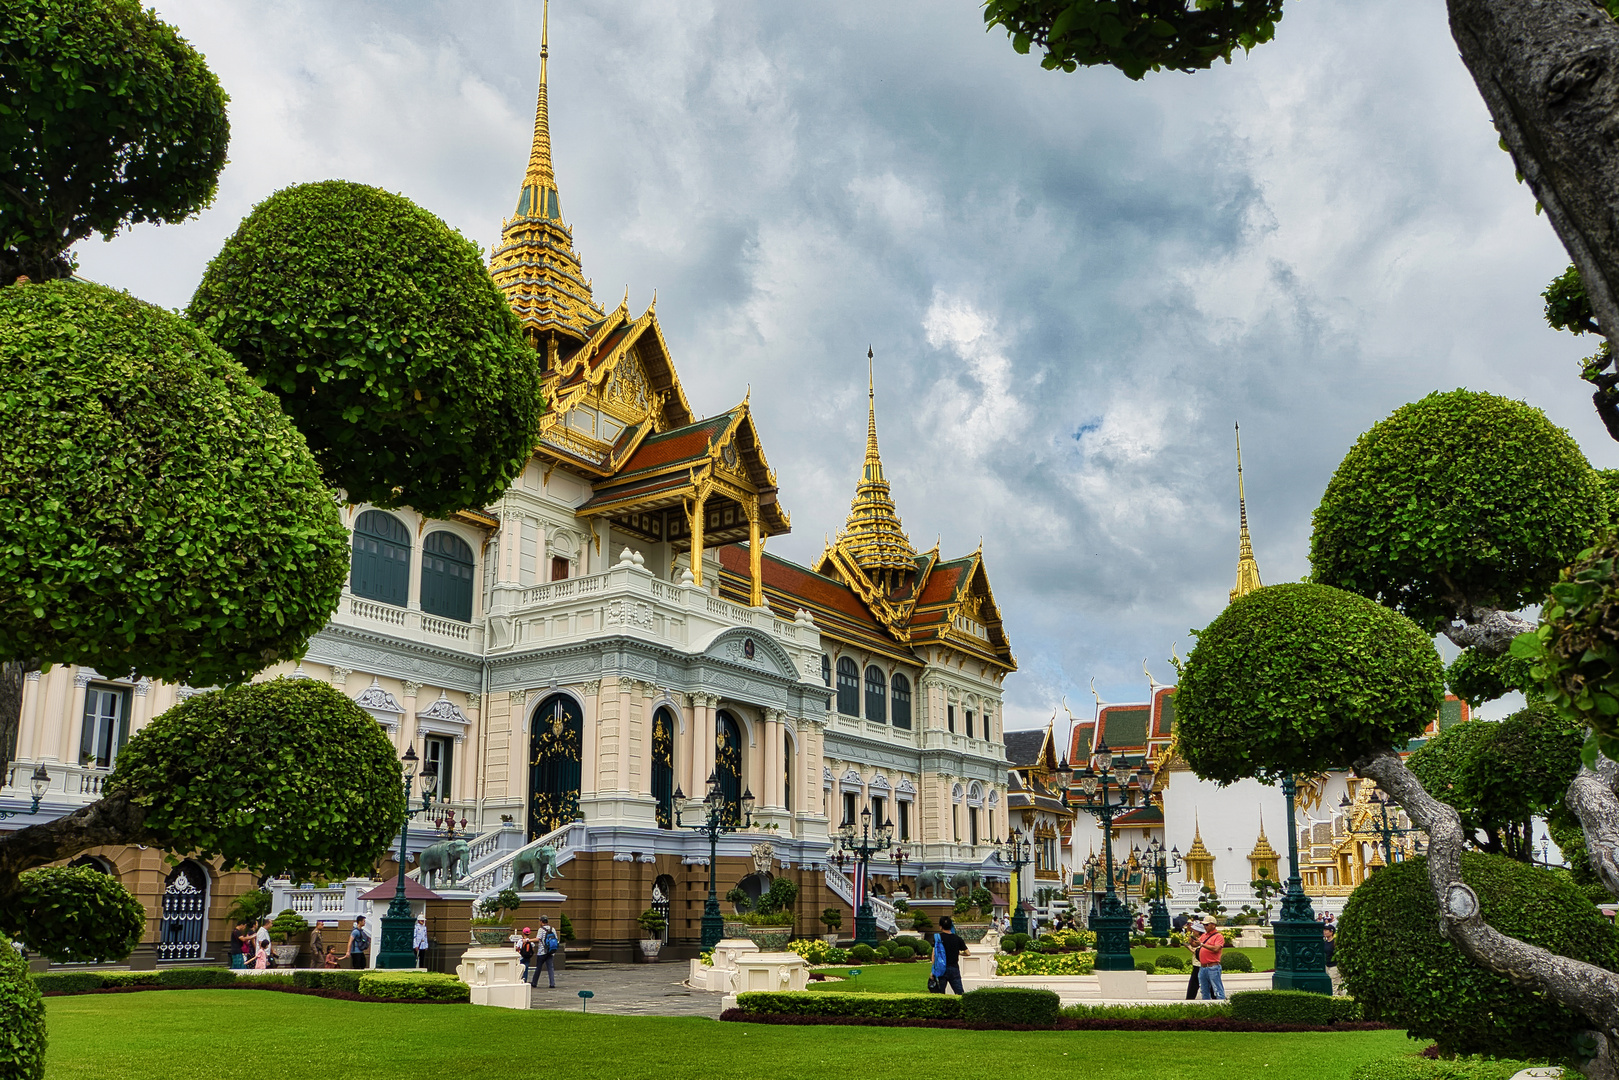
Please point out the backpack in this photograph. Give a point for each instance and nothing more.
(938, 954)
(550, 940)
(362, 940)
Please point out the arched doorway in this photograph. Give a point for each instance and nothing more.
(663, 766)
(185, 913)
(556, 732)
(728, 763)
(663, 889)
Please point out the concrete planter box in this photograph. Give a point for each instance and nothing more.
(971, 932)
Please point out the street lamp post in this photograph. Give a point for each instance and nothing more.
(398, 926)
(1160, 862)
(1301, 956)
(872, 839)
(1389, 831)
(712, 825)
(1015, 853)
(37, 785)
(1111, 920)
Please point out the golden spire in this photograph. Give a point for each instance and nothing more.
(535, 264)
(1247, 567)
(873, 536)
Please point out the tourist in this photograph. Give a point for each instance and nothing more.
(1328, 940)
(359, 954)
(1178, 923)
(236, 958)
(418, 941)
(525, 949)
(1194, 938)
(545, 949)
(1209, 953)
(330, 960)
(263, 935)
(948, 949)
(317, 946)
(261, 959)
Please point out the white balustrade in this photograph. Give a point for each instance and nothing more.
(382, 613)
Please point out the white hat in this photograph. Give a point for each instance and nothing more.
(421, 918)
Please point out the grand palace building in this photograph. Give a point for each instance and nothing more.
(612, 630)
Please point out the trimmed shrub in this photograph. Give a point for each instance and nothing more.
(263, 980)
(891, 1006)
(1189, 1010)
(1417, 1067)
(1148, 966)
(1011, 1005)
(193, 977)
(129, 978)
(73, 914)
(1232, 960)
(1402, 972)
(1015, 943)
(863, 954)
(345, 979)
(1171, 962)
(914, 943)
(307, 980)
(67, 982)
(413, 986)
(22, 1019)
(901, 953)
(1293, 1007)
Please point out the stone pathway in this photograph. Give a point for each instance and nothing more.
(628, 990)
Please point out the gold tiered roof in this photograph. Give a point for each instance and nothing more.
(873, 536)
(1247, 566)
(535, 264)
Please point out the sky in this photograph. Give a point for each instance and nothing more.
(1074, 284)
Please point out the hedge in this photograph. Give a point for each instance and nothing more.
(1416, 1067)
(1011, 1005)
(874, 1006)
(195, 977)
(1189, 1010)
(346, 979)
(1293, 1007)
(414, 986)
(22, 1019)
(1236, 961)
(352, 984)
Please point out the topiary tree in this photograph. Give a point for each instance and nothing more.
(1402, 971)
(158, 512)
(22, 1019)
(288, 924)
(110, 119)
(379, 328)
(1416, 515)
(73, 915)
(1302, 678)
(1477, 677)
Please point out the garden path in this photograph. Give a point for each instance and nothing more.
(628, 990)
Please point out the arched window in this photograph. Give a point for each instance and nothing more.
(902, 702)
(728, 763)
(826, 669)
(876, 695)
(447, 576)
(848, 687)
(380, 569)
(556, 733)
(663, 766)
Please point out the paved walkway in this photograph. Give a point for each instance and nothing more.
(629, 990)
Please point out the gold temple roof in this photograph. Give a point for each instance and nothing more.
(1198, 852)
(535, 264)
(1263, 852)
(1247, 566)
(873, 537)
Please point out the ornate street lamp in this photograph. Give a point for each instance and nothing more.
(1015, 853)
(1110, 918)
(1159, 862)
(873, 838)
(37, 785)
(1301, 956)
(715, 821)
(398, 925)
(1391, 831)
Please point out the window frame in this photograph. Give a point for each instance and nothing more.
(876, 698)
(379, 581)
(91, 724)
(444, 581)
(899, 690)
(848, 686)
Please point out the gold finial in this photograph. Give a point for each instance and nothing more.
(540, 176)
(873, 535)
(1247, 566)
(1152, 683)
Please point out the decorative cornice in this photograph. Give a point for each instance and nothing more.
(32, 676)
(591, 689)
(443, 709)
(82, 679)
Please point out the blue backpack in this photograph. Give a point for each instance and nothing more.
(938, 954)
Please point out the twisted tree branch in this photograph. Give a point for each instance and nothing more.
(113, 819)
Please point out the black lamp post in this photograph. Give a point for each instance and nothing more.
(1015, 853)
(1389, 831)
(398, 926)
(1160, 862)
(37, 785)
(1111, 919)
(712, 825)
(872, 839)
(1301, 956)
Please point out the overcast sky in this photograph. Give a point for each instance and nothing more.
(1074, 284)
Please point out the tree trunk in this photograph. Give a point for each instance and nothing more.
(1594, 798)
(1489, 631)
(109, 820)
(12, 673)
(1549, 72)
(1591, 991)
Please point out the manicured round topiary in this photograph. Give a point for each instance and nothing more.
(1520, 770)
(288, 777)
(1402, 972)
(1459, 499)
(157, 510)
(110, 119)
(863, 953)
(389, 345)
(1477, 678)
(1304, 678)
(22, 1019)
(73, 915)
(1575, 649)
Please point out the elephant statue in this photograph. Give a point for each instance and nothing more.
(540, 862)
(967, 879)
(930, 884)
(451, 857)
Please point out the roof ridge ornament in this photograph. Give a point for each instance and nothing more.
(1247, 566)
(873, 537)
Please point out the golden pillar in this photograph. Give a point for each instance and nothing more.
(699, 518)
(756, 594)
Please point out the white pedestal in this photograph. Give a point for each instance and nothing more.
(495, 976)
(1122, 985)
(1250, 937)
(728, 954)
(771, 971)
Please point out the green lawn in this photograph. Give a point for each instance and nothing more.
(249, 1035)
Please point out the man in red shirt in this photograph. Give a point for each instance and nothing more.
(1209, 953)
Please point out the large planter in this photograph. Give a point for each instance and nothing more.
(492, 935)
(285, 956)
(904, 922)
(649, 950)
(768, 938)
(973, 932)
(735, 928)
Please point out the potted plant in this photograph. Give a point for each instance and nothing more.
(287, 925)
(832, 919)
(491, 925)
(902, 913)
(735, 925)
(973, 914)
(770, 923)
(653, 923)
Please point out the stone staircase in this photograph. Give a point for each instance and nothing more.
(489, 868)
(839, 882)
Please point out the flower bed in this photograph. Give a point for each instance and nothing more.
(1034, 963)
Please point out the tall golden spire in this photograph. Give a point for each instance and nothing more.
(873, 536)
(535, 264)
(1247, 566)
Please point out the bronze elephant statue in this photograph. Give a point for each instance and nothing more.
(451, 857)
(540, 863)
(967, 879)
(930, 884)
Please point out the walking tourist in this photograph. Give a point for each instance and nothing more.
(1194, 938)
(1328, 944)
(330, 960)
(545, 949)
(261, 958)
(418, 941)
(1209, 954)
(262, 937)
(317, 946)
(359, 953)
(525, 950)
(236, 958)
(948, 949)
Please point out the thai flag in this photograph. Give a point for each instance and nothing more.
(859, 886)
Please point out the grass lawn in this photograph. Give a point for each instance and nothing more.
(912, 978)
(249, 1035)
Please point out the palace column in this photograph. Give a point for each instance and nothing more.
(756, 593)
(702, 743)
(699, 518)
(626, 768)
(590, 751)
(772, 770)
